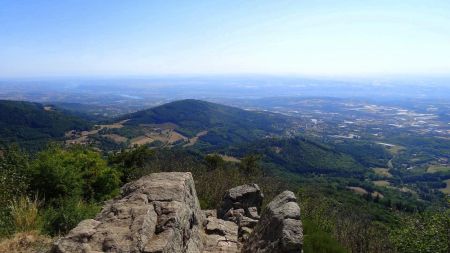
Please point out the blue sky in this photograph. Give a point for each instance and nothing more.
(312, 38)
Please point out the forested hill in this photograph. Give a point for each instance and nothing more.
(224, 124)
(31, 123)
(301, 156)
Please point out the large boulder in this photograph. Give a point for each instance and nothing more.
(157, 213)
(243, 200)
(221, 236)
(279, 230)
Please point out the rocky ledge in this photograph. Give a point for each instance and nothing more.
(161, 213)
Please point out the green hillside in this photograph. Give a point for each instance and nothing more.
(301, 156)
(225, 124)
(32, 123)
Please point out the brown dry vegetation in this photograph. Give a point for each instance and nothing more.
(116, 138)
(194, 140)
(382, 183)
(26, 242)
(357, 190)
(227, 158)
(382, 172)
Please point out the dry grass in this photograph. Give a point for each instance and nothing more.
(26, 242)
(382, 183)
(116, 138)
(230, 158)
(194, 140)
(141, 140)
(382, 172)
(174, 137)
(357, 190)
(438, 168)
(25, 214)
(377, 194)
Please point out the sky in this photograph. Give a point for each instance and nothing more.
(139, 38)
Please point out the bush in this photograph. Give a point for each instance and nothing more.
(317, 241)
(425, 232)
(74, 173)
(13, 182)
(67, 214)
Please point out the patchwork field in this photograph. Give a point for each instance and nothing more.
(438, 168)
(143, 134)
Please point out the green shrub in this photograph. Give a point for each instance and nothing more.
(73, 173)
(13, 182)
(67, 214)
(421, 233)
(317, 241)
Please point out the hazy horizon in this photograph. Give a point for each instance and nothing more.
(326, 39)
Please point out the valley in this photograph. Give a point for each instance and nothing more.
(352, 154)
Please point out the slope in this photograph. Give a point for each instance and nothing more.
(224, 124)
(30, 123)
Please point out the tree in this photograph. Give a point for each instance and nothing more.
(214, 162)
(250, 165)
(130, 161)
(77, 172)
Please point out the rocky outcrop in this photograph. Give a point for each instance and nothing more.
(279, 229)
(241, 205)
(241, 200)
(157, 213)
(221, 235)
(161, 213)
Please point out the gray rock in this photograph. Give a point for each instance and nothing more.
(160, 213)
(253, 213)
(157, 213)
(210, 213)
(240, 197)
(221, 236)
(279, 229)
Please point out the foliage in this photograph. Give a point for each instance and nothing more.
(130, 161)
(13, 173)
(318, 241)
(345, 219)
(13, 182)
(225, 125)
(73, 173)
(204, 168)
(300, 155)
(250, 166)
(425, 232)
(66, 214)
(31, 125)
(367, 153)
